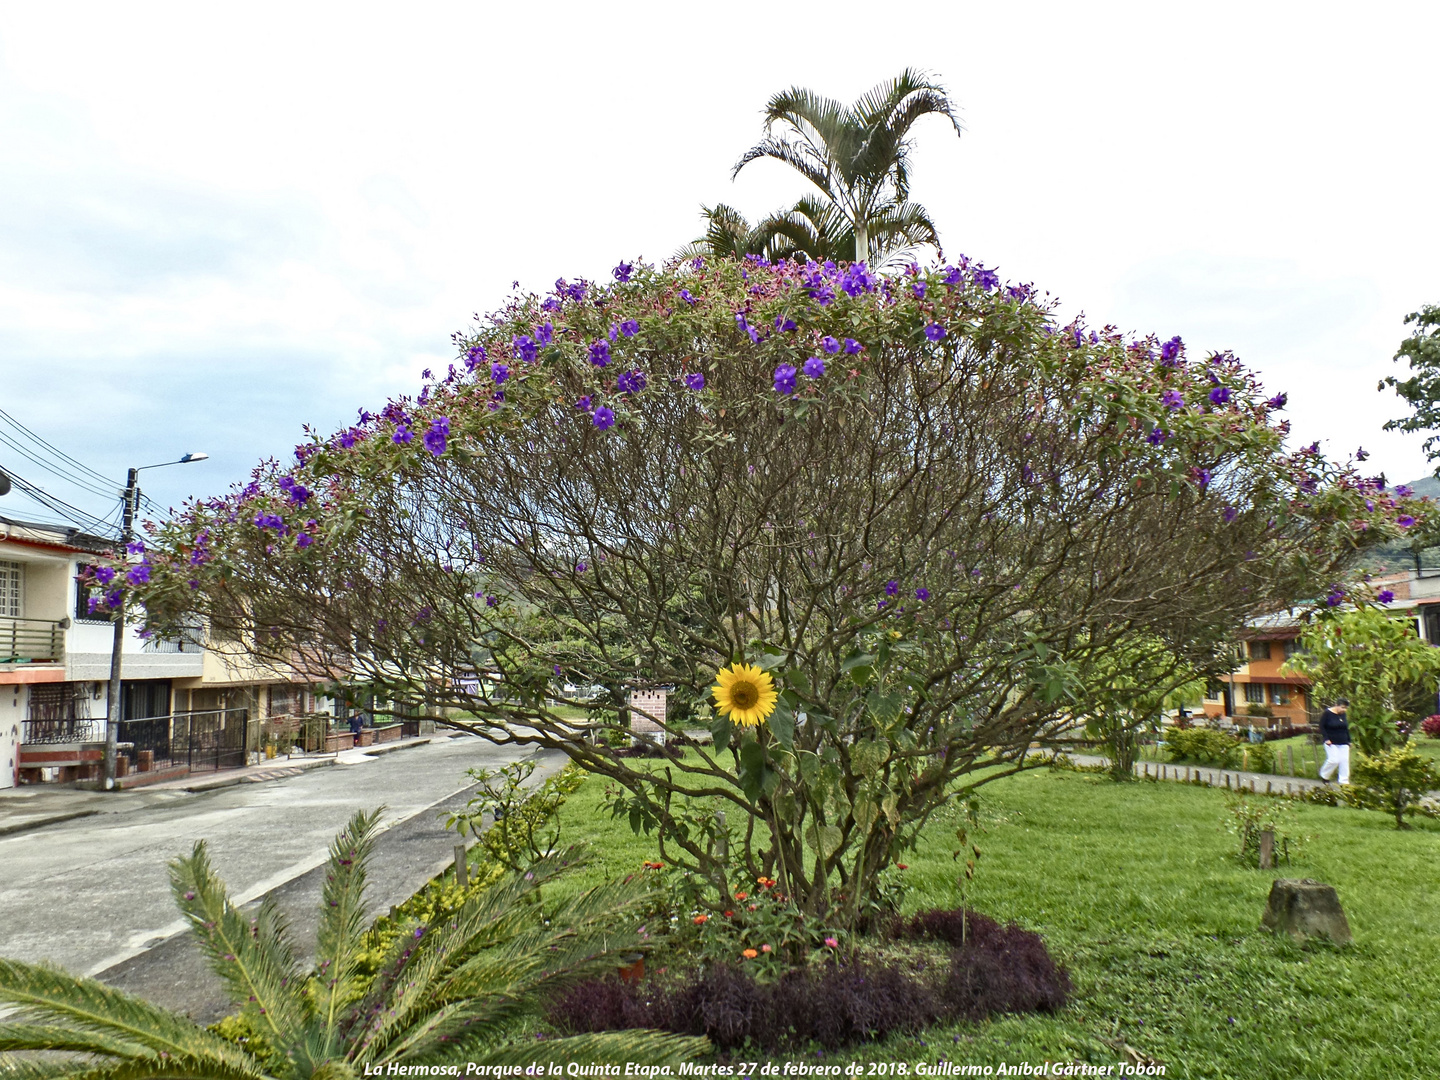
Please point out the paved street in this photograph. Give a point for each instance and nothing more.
(92, 893)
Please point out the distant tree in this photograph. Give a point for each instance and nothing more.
(1379, 664)
(1132, 684)
(858, 155)
(812, 230)
(1422, 389)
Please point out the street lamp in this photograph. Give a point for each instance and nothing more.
(131, 495)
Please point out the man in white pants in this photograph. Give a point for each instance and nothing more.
(1335, 730)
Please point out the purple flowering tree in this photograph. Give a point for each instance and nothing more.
(929, 540)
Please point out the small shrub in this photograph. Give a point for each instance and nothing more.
(1395, 781)
(1247, 818)
(1205, 745)
(1258, 757)
(1258, 710)
(1431, 726)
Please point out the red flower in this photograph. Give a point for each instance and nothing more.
(901, 866)
(700, 919)
(729, 914)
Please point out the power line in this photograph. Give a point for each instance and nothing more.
(56, 470)
(57, 505)
(107, 481)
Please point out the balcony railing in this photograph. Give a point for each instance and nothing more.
(188, 641)
(69, 729)
(28, 641)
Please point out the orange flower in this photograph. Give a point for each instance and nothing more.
(741, 895)
(765, 882)
(750, 954)
(700, 919)
(654, 866)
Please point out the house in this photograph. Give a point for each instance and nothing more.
(182, 706)
(1256, 692)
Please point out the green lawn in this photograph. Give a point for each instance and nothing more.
(1134, 890)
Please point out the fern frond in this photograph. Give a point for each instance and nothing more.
(255, 961)
(342, 916)
(53, 1000)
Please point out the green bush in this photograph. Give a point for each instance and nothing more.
(1247, 818)
(1204, 745)
(1258, 757)
(1395, 781)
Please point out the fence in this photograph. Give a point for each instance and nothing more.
(27, 640)
(201, 739)
(64, 729)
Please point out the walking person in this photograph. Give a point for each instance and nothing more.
(1335, 730)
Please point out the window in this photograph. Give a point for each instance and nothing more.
(1255, 693)
(1279, 694)
(1259, 650)
(83, 593)
(1292, 646)
(12, 590)
(1214, 691)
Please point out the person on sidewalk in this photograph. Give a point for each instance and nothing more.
(1335, 730)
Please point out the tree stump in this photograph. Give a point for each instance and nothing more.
(1305, 909)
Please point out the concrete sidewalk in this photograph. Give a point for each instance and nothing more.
(35, 806)
(1212, 776)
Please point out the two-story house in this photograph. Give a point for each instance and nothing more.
(1257, 692)
(55, 667)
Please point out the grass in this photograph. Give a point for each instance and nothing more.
(1307, 756)
(1135, 890)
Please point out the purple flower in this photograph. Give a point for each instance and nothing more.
(114, 598)
(953, 276)
(580, 568)
(1220, 395)
(136, 547)
(474, 357)
(525, 349)
(1172, 399)
(694, 381)
(697, 263)
(91, 605)
(986, 279)
(829, 344)
(1202, 478)
(499, 372)
(1404, 490)
(783, 324)
(785, 379)
(622, 272)
(1278, 401)
(1404, 521)
(1170, 352)
(1384, 596)
(303, 540)
(557, 670)
(1336, 597)
(892, 587)
(922, 594)
(1230, 514)
(604, 418)
(857, 279)
(685, 295)
(629, 328)
(544, 334)
(600, 353)
(631, 382)
(918, 289)
(583, 403)
(1157, 436)
(104, 574)
(934, 331)
(139, 575)
(814, 367)
(436, 437)
(490, 601)
(852, 346)
(402, 435)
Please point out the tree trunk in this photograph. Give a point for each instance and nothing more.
(862, 241)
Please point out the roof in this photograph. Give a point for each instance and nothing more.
(43, 534)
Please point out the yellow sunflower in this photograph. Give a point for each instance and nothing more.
(745, 694)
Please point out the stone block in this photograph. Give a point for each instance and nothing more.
(1304, 909)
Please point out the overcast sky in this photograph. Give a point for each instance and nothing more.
(220, 223)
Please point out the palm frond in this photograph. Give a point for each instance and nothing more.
(254, 960)
(342, 916)
(70, 1007)
(79, 1040)
(900, 227)
(804, 159)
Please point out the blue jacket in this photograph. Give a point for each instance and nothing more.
(1334, 728)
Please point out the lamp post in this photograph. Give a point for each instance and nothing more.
(131, 495)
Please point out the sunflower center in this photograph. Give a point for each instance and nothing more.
(744, 695)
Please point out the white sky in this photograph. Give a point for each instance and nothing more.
(220, 223)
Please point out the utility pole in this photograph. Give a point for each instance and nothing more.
(131, 495)
(117, 645)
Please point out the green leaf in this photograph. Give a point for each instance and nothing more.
(721, 734)
(752, 768)
(868, 755)
(782, 724)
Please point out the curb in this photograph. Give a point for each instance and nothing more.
(41, 822)
(257, 778)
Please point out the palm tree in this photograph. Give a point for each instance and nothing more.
(859, 154)
(811, 229)
(444, 994)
